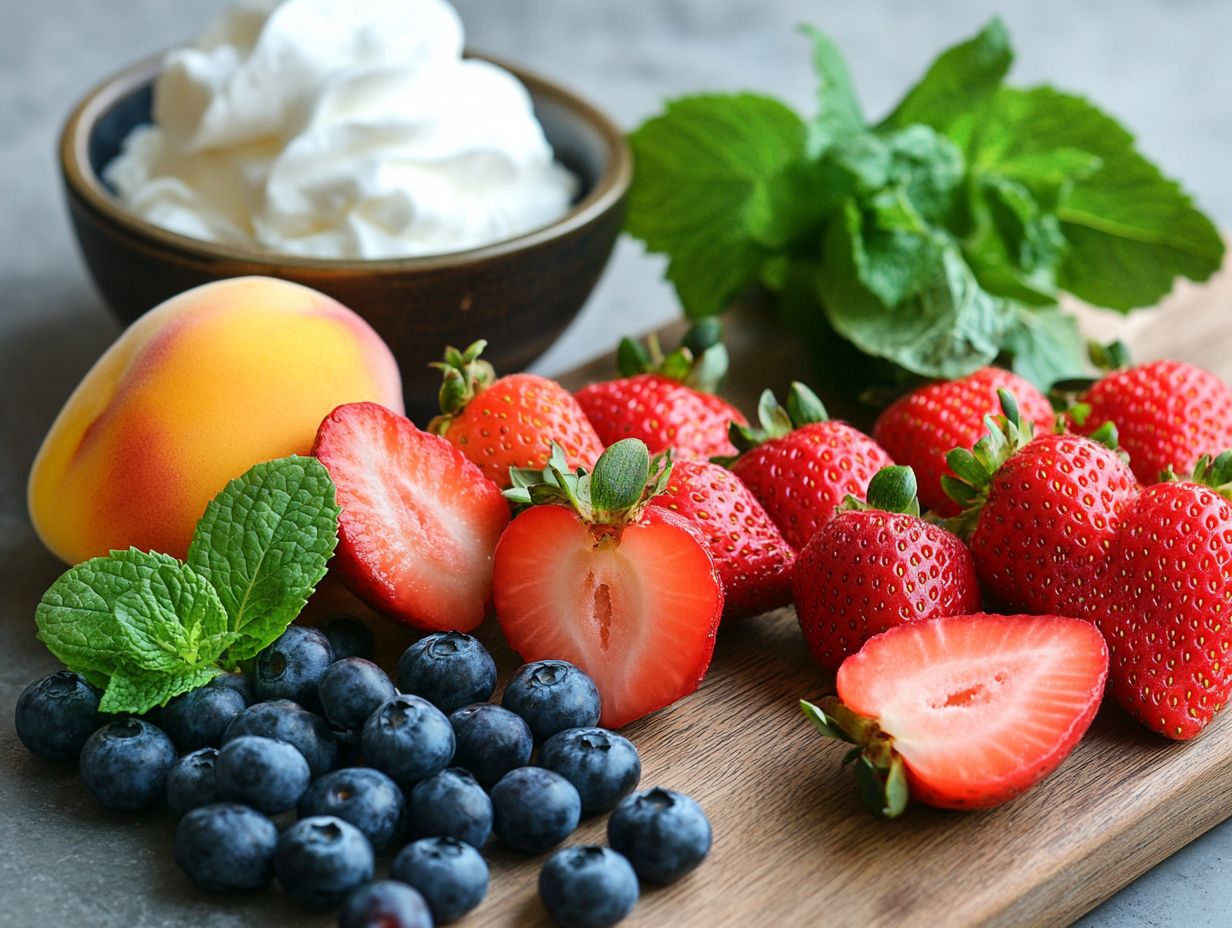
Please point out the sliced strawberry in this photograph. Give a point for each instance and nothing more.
(419, 521)
(969, 711)
(629, 595)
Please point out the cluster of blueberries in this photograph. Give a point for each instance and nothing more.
(369, 767)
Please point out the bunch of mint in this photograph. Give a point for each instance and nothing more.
(147, 627)
(929, 244)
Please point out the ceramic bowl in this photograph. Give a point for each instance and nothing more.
(519, 293)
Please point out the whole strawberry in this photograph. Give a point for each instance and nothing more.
(750, 554)
(801, 465)
(511, 421)
(1164, 601)
(1167, 414)
(876, 565)
(667, 402)
(920, 428)
(1039, 513)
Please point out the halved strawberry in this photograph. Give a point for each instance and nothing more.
(419, 521)
(593, 576)
(965, 712)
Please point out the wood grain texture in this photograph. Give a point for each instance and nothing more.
(793, 846)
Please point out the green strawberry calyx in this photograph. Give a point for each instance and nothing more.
(1066, 395)
(973, 470)
(624, 480)
(700, 362)
(1214, 472)
(892, 489)
(803, 408)
(464, 376)
(881, 777)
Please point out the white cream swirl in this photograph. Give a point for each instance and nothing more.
(340, 130)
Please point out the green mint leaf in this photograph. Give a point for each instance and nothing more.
(697, 167)
(927, 166)
(948, 330)
(263, 543)
(1015, 248)
(793, 204)
(957, 82)
(1131, 231)
(134, 616)
(838, 109)
(1044, 343)
(142, 692)
(75, 620)
(172, 620)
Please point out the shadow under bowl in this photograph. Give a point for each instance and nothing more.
(520, 294)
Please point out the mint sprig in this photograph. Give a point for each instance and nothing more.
(932, 242)
(263, 543)
(148, 627)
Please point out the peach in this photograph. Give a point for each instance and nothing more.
(194, 393)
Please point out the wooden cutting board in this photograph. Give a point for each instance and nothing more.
(793, 846)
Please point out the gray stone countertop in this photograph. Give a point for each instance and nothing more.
(1163, 67)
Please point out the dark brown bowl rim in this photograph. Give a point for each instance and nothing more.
(607, 193)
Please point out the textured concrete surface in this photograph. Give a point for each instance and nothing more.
(1163, 67)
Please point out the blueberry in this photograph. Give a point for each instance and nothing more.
(268, 775)
(385, 904)
(451, 874)
(366, 798)
(349, 637)
(552, 696)
(602, 765)
(125, 764)
(449, 669)
(321, 859)
(533, 809)
(226, 846)
(192, 782)
(286, 721)
(451, 804)
(351, 689)
(491, 741)
(587, 887)
(55, 715)
(235, 681)
(291, 666)
(664, 834)
(197, 719)
(409, 739)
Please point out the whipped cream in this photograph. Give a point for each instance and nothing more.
(336, 129)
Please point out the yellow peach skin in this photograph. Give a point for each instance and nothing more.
(191, 395)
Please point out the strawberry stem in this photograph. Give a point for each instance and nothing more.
(1215, 473)
(892, 489)
(700, 362)
(1110, 357)
(803, 408)
(881, 777)
(624, 480)
(465, 375)
(973, 470)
